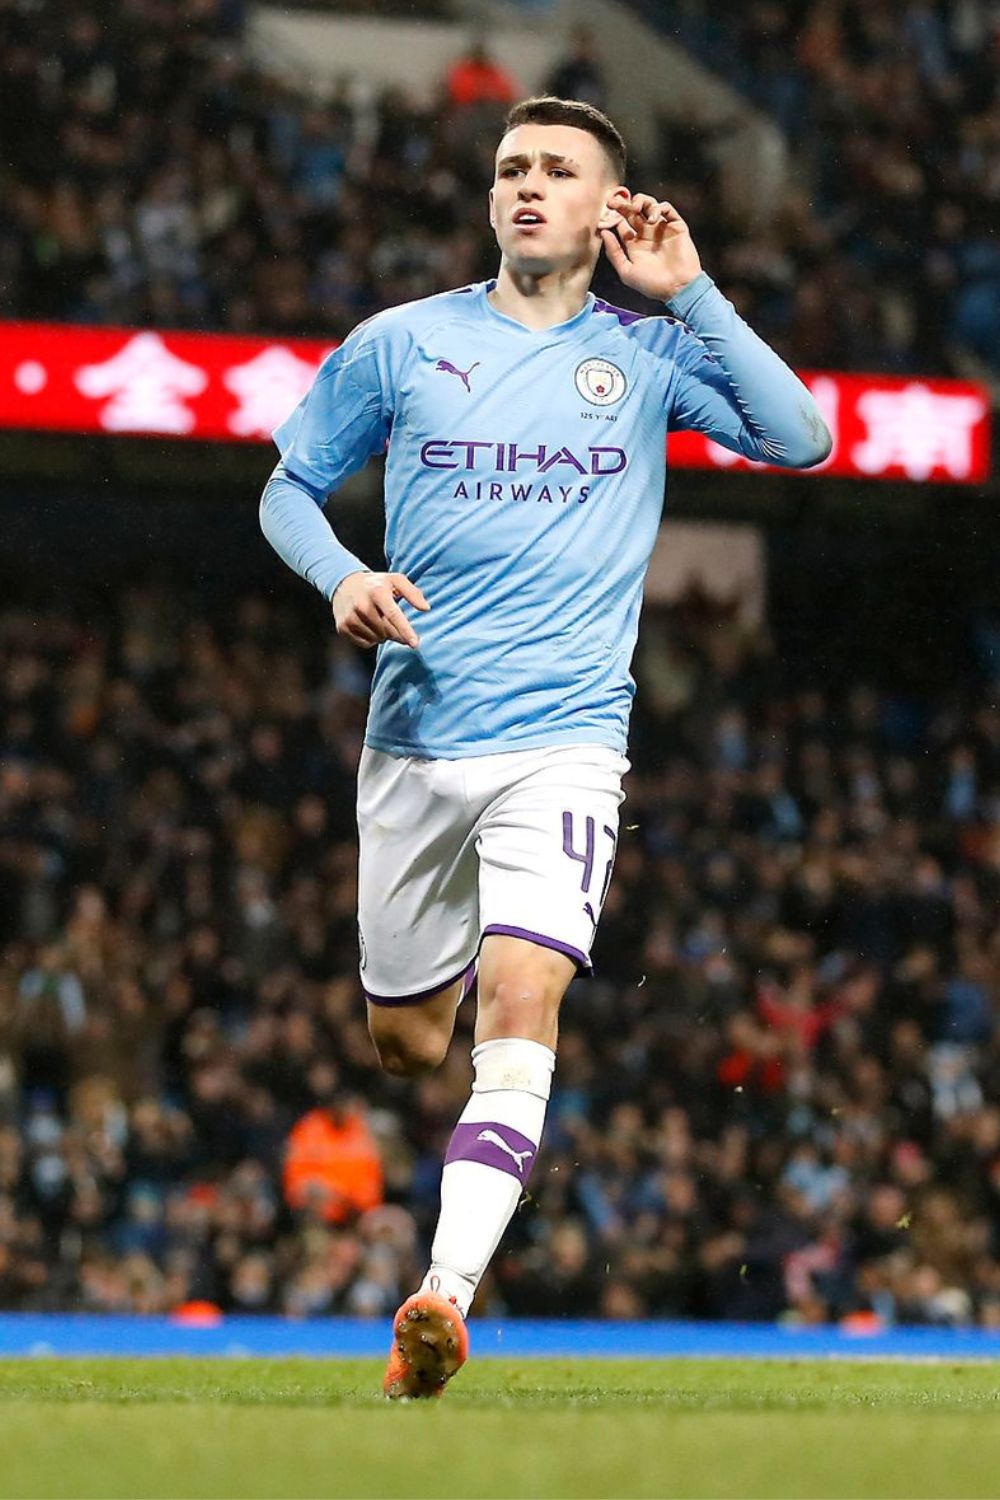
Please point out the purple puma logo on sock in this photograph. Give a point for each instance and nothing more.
(450, 369)
(492, 1139)
(493, 1144)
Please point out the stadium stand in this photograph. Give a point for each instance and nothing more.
(166, 180)
(791, 1048)
(891, 108)
(781, 1095)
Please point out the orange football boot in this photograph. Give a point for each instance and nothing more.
(429, 1343)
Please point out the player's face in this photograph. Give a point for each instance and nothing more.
(549, 198)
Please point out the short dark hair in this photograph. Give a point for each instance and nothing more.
(545, 109)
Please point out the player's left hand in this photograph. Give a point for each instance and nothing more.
(650, 246)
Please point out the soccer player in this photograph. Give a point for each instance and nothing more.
(526, 425)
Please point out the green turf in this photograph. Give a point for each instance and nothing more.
(536, 1428)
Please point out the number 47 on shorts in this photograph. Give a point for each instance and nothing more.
(587, 856)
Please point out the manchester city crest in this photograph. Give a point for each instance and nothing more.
(600, 382)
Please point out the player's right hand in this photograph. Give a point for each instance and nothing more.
(365, 608)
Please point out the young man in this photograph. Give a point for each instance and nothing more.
(526, 425)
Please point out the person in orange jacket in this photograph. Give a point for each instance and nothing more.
(332, 1161)
(475, 78)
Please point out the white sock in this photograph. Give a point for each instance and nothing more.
(490, 1156)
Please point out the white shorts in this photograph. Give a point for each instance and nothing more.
(520, 843)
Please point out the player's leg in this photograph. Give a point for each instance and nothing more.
(411, 1036)
(418, 925)
(520, 987)
(546, 849)
(547, 837)
(495, 1143)
(418, 905)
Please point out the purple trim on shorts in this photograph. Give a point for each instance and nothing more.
(468, 974)
(580, 959)
(493, 1145)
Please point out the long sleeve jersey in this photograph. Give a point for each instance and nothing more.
(524, 486)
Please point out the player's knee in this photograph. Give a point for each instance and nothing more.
(519, 1007)
(405, 1054)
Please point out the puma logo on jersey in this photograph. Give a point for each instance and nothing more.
(463, 375)
(492, 1139)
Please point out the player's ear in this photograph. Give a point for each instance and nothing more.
(610, 216)
(493, 221)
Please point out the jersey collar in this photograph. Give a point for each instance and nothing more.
(557, 331)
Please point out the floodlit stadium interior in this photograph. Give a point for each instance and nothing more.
(779, 1098)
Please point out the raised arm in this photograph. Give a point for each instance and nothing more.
(730, 384)
(733, 387)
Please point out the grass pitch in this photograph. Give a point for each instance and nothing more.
(295, 1427)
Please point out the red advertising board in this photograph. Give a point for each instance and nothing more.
(58, 378)
(883, 427)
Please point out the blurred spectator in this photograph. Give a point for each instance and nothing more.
(580, 74)
(477, 78)
(332, 1164)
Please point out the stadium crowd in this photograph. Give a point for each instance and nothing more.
(153, 175)
(780, 1096)
(892, 111)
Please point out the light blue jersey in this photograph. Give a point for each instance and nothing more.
(524, 487)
